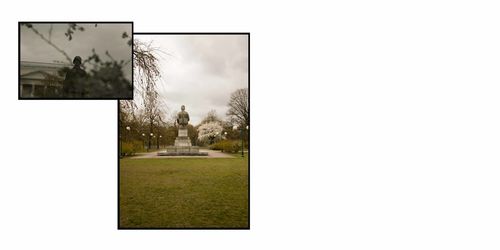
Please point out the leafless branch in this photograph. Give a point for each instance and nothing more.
(50, 43)
(238, 107)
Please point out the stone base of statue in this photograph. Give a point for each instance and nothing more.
(182, 139)
(182, 146)
(182, 151)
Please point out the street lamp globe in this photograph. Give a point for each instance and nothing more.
(235, 127)
(247, 126)
(151, 134)
(128, 128)
(143, 134)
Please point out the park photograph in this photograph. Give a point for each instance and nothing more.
(184, 139)
(75, 60)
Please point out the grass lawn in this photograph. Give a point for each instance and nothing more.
(184, 193)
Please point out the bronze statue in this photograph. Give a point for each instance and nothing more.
(183, 117)
(73, 85)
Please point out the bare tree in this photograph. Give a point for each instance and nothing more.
(154, 120)
(146, 72)
(147, 107)
(239, 112)
(146, 75)
(146, 68)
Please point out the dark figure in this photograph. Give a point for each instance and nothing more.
(73, 85)
(183, 117)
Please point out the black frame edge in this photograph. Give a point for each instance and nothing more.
(249, 136)
(19, 98)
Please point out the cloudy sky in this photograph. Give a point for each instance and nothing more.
(103, 37)
(200, 71)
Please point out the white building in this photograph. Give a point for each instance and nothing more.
(40, 79)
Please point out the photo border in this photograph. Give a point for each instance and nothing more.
(70, 98)
(249, 136)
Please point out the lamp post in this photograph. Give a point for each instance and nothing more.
(241, 136)
(128, 133)
(122, 137)
(159, 140)
(121, 146)
(149, 141)
(225, 135)
(248, 138)
(143, 140)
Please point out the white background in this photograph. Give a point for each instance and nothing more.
(375, 125)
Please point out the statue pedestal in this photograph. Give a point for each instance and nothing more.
(182, 146)
(182, 139)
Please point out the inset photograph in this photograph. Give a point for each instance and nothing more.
(79, 60)
(184, 140)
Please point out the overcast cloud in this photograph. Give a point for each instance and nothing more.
(200, 71)
(103, 37)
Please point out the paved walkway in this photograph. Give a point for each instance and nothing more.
(211, 154)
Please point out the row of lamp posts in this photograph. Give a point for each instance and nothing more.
(151, 135)
(157, 142)
(143, 139)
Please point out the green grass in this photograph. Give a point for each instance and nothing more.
(184, 193)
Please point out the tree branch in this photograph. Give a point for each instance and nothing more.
(51, 44)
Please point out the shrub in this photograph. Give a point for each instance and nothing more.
(231, 146)
(217, 146)
(138, 146)
(228, 146)
(130, 148)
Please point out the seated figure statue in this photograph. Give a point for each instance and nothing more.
(183, 117)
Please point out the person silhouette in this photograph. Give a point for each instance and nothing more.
(73, 85)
